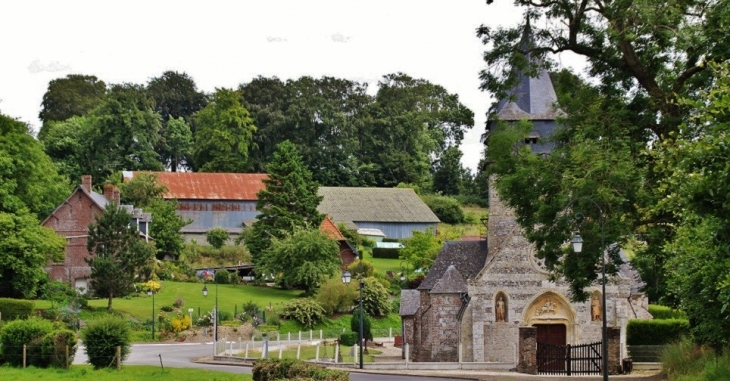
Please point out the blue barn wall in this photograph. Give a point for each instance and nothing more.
(219, 213)
(396, 229)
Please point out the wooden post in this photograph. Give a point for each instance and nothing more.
(288, 336)
(316, 353)
(337, 352)
(280, 348)
(119, 358)
(245, 355)
(310, 335)
(299, 349)
(300, 335)
(25, 355)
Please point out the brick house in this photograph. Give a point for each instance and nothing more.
(71, 219)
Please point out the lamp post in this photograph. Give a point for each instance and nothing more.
(403, 270)
(577, 243)
(215, 310)
(152, 294)
(346, 278)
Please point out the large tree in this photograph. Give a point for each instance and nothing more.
(74, 95)
(304, 260)
(288, 202)
(448, 172)
(118, 254)
(224, 134)
(642, 56)
(175, 95)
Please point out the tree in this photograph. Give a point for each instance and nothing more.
(175, 95)
(288, 202)
(367, 332)
(421, 249)
(448, 172)
(223, 135)
(69, 146)
(118, 254)
(26, 249)
(28, 179)
(216, 237)
(375, 298)
(304, 259)
(74, 95)
(696, 174)
(177, 144)
(146, 192)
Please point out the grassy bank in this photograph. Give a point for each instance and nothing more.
(127, 373)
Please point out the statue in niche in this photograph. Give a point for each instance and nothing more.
(500, 310)
(595, 308)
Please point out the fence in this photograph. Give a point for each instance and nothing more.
(60, 357)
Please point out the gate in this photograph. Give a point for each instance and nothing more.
(569, 359)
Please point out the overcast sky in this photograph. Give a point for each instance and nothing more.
(225, 43)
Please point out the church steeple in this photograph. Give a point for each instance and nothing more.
(533, 99)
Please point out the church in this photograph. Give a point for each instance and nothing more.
(491, 302)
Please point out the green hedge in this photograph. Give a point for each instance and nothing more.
(28, 332)
(386, 239)
(656, 332)
(348, 338)
(12, 309)
(385, 253)
(663, 312)
(265, 370)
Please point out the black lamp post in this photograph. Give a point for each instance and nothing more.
(152, 294)
(403, 272)
(577, 243)
(346, 278)
(215, 310)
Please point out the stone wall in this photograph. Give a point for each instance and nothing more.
(501, 342)
(614, 350)
(527, 361)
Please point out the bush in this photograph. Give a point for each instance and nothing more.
(335, 296)
(225, 316)
(306, 311)
(102, 337)
(446, 209)
(663, 312)
(167, 308)
(181, 323)
(471, 200)
(179, 302)
(216, 237)
(222, 277)
(12, 309)
(656, 332)
(273, 320)
(375, 298)
(381, 252)
(24, 332)
(53, 347)
(348, 338)
(265, 370)
(362, 268)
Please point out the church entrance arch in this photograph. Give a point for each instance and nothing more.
(553, 316)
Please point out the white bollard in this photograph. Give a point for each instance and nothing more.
(277, 336)
(230, 346)
(263, 352)
(280, 347)
(299, 350)
(310, 335)
(460, 353)
(288, 336)
(390, 332)
(300, 335)
(337, 352)
(407, 354)
(316, 353)
(354, 353)
(320, 334)
(246, 354)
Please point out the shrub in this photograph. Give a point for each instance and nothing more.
(656, 332)
(181, 323)
(225, 316)
(335, 296)
(361, 268)
(53, 347)
(395, 305)
(273, 320)
(664, 312)
(12, 309)
(205, 320)
(381, 252)
(375, 298)
(101, 339)
(24, 332)
(265, 370)
(167, 308)
(250, 308)
(179, 302)
(216, 237)
(446, 209)
(348, 338)
(222, 277)
(366, 325)
(306, 311)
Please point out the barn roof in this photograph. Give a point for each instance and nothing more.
(209, 186)
(350, 205)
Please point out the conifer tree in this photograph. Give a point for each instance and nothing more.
(288, 202)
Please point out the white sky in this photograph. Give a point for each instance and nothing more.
(226, 43)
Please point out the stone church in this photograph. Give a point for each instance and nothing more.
(480, 296)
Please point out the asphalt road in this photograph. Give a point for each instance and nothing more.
(180, 356)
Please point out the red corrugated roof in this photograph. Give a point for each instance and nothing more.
(211, 186)
(329, 228)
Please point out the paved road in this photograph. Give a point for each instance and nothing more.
(180, 355)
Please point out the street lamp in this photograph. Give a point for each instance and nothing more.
(152, 294)
(577, 243)
(346, 277)
(215, 310)
(403, 270)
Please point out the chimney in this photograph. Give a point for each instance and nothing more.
(86, 182)
(109, 192)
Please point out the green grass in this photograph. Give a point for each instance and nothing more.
(127, 373)
(228, 297)
(309, 352)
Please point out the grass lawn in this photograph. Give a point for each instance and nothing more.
(127, 373)
(229, 297)
(309, 352)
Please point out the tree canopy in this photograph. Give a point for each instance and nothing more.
(74, 95)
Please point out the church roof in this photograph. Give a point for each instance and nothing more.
(450, 283)
(468, 257)
(410, 300)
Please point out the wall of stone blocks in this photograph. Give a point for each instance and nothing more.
(501, 342)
